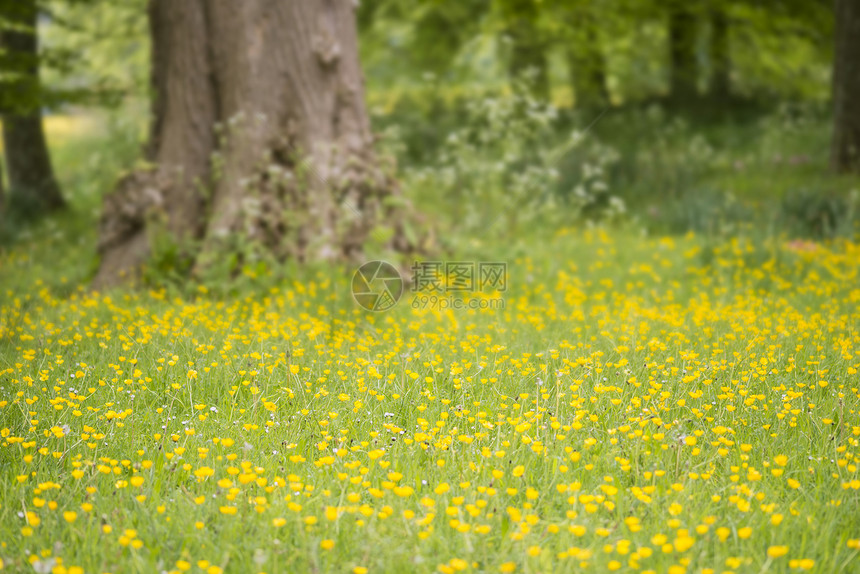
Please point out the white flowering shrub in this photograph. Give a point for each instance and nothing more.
(500, 171)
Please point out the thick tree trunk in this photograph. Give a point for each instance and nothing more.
(259, 133)
(720, 65)
(845, 150)
(684, 72)
(587, 66)
(527, 60)
(32, 185)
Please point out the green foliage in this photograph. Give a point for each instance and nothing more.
(811, 213)
(701, 211)
(170, 261)
(782, 49)
(481, 157)
(91, 52)
(498, 173)
(464, 155)
(427, 36)
(61, 250)
(776, 49)
(95, 51)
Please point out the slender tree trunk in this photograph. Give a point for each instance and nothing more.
(2, 193)
(845, 150)
(528, 55)
(720, 65)
(684, 72)
(587, 65)
(32, 185)
(259, 137)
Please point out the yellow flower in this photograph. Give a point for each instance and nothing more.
(203, 473)
(327, 544)
(777, 551)
(70, 516)
(745, 532)
(403, 491)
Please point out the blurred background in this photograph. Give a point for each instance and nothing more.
(500, 118)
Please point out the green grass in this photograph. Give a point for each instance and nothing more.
(645, 404)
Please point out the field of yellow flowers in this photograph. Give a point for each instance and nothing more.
(639, 405)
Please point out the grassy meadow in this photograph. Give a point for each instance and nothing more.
(644, 402)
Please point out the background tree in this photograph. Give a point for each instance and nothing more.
(429, 34)
(527, 49)
(720, 84)
(93, 53)
(442, 28)
(780, 48)
(845, 155)
(584, 51)
(259, 135)
(2, 192)
(32, 185)
(684, 68)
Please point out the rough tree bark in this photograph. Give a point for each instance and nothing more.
(684, 70)
(32, 185)
(845, 148)
(259, 130)
(720, 87)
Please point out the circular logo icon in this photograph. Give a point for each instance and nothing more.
(377, 286)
